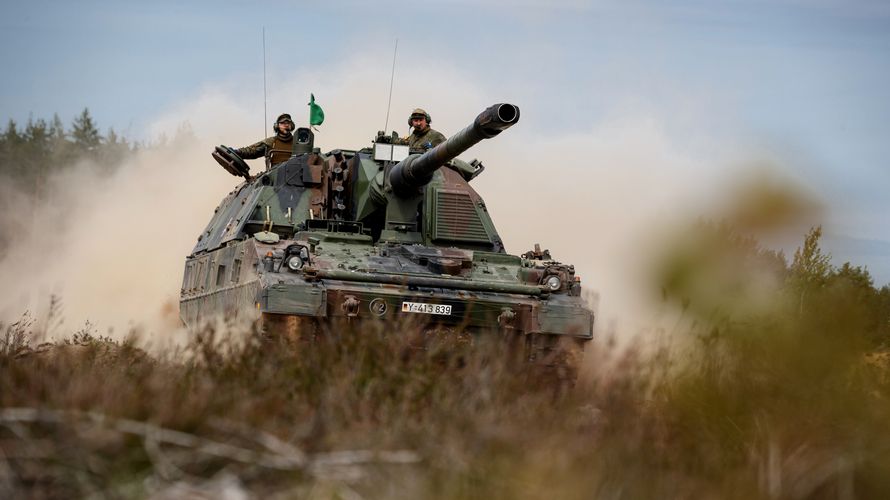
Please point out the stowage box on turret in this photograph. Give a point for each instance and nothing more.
(381, 232)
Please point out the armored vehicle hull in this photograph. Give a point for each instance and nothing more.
(376, 234)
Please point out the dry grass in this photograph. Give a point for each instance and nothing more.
(367, 414)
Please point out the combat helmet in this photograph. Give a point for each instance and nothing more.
(419, 112)
(283, 117)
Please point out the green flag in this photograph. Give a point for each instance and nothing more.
(316, 114)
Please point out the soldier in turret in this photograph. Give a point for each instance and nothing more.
(277, 148)
(422, 137)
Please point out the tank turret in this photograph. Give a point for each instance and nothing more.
(416, 171)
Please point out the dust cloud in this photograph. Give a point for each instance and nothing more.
(113, 247)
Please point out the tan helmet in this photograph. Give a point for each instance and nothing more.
(420, 112)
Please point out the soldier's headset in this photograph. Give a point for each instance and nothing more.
(425, 115)
(282, 118)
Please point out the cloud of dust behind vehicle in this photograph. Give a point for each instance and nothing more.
(113, 247)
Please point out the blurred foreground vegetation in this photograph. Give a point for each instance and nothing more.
(773, 384)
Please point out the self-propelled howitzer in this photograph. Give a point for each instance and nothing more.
(377, 233)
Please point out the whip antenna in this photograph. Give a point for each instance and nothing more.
(265, 118)
(391, 78)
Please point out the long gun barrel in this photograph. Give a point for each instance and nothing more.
(416, 171)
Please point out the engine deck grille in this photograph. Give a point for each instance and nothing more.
(457, 218)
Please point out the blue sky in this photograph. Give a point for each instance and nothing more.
(805, 84)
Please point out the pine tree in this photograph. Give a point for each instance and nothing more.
(810, 269)
(114, 149)
(35, 154)
(60, 146)
(11, 136)
(10, 147)
(37, 132)
(84, 132)
(56, 129)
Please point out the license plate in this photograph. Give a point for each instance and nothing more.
(420, 307)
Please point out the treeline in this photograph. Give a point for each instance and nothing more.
(31, 154)
(747, 280)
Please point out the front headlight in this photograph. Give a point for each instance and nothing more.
(294, 263)
(296, 256)
(553, 283)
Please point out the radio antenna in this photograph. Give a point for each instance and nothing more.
(391, 79)
(265, 118)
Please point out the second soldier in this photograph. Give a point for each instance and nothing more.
(277, 148)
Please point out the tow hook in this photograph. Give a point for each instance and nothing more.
(350, 306)
(505, 319)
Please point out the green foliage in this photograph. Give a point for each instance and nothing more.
(810, 269)
(29, 157)
(723, 276)
(810, 266)
(716, 270)
(84, 132)
(796, 391)
(839, 299)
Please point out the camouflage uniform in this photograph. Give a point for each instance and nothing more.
(275, 149)
(426, 140)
